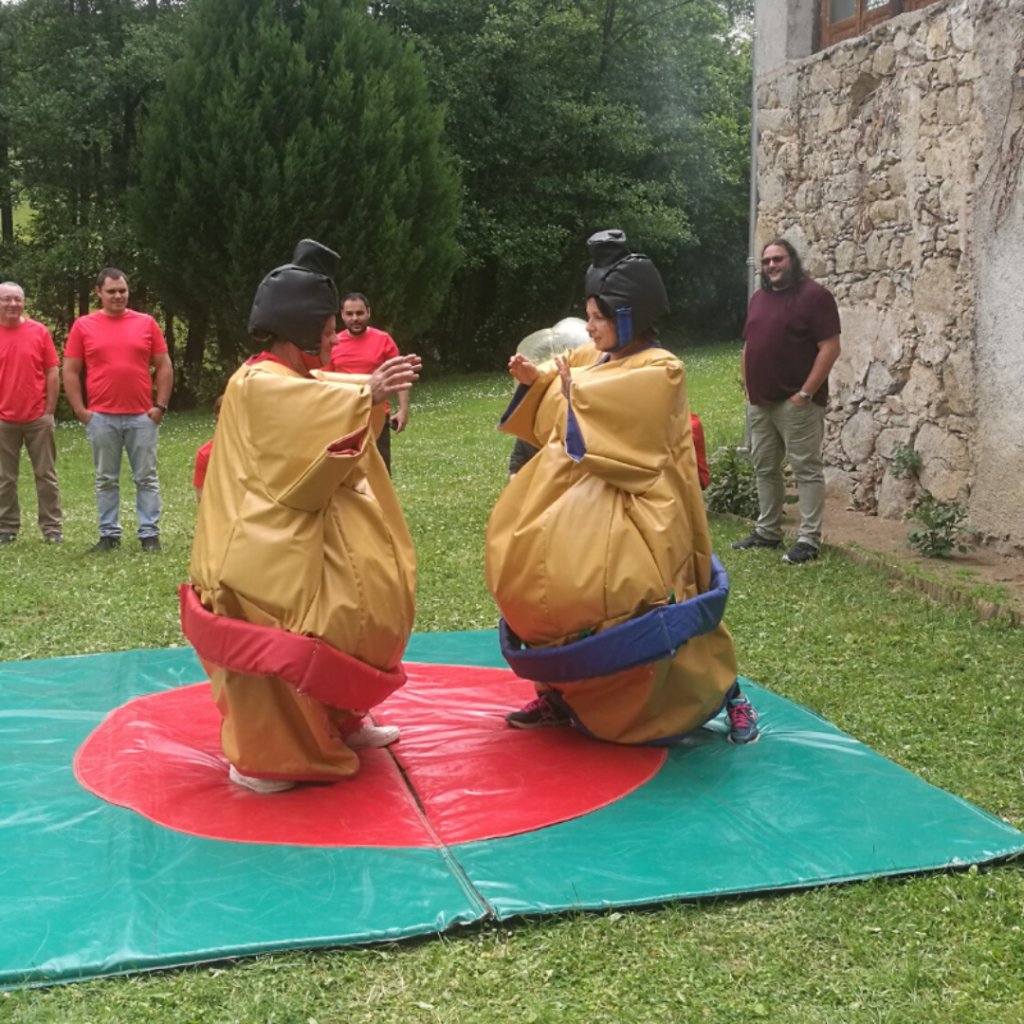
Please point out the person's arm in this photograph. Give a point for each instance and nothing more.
(72, 375)
(164, 382)
(401, 419)
(52, 390)
(743, 371)
(828, 353)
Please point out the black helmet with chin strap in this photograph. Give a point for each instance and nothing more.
(626, 283)
(293, 302)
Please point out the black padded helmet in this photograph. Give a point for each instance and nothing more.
(627, 284)
(293, 301)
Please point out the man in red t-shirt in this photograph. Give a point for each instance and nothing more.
(361, 348)
(792, 340)
(115, 347)
(28, 397)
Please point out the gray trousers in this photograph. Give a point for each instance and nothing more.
(37, 437)
(784, 430)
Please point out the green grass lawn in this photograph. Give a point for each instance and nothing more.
(926, 685)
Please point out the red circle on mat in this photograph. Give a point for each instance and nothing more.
(473, 777)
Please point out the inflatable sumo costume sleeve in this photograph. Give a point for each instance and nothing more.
(302, 568)
(598, 552)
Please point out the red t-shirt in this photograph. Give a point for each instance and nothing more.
(703, 473)
(363, 353)
(26, 353)
(202, 461)
(782, 333)
(117, 352)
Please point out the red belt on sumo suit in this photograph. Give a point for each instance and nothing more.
(307, 664)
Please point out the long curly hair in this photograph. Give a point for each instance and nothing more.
(796, 267)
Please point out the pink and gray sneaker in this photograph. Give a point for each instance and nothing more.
(742, 721)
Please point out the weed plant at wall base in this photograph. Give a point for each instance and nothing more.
(906, 461)
(733, 487)
(943, 527)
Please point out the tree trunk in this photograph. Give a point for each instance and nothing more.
(186, 383)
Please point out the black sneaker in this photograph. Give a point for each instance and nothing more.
(802, 552)
(7, 538)
(105, 544)
(755, 540)
(151, 544)
(538, 714)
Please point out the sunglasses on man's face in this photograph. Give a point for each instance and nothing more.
(770, 261)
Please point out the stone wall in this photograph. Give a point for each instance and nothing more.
(893, 163)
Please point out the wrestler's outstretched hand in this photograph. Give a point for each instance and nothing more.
(393, 376)
(562, 362)
(522, 369)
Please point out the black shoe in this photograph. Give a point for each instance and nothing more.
(7, 538)
(151, 544)
(538, 714)
(755, 540)
(105, 544)
(53, 538)
(801, 553)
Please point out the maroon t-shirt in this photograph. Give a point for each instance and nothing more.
(782, 332)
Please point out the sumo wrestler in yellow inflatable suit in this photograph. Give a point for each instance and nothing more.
(598, 552)
(302, 569)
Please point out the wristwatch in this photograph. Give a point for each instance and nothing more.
(162, 408)
(806, 397)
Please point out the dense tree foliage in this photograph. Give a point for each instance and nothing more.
(192, 142)
(287, 119)
(75, 77)
(573, 115)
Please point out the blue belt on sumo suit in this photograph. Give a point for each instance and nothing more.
(654, 636)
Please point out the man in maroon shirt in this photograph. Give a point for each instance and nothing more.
(792, 340)
(360, 348)
(28, 398)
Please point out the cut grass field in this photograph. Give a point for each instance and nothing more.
(926, 685)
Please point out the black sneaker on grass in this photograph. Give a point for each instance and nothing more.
(105, 544)
(538, 714)
(755, 540)
(799, 554)
(8, 538)
(151, 544)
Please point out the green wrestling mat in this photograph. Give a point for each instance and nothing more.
(88, 888)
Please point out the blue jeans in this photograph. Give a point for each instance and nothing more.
(108, 434)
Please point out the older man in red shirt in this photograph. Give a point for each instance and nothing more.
(28, 398)
(361, 348)
(116, 346)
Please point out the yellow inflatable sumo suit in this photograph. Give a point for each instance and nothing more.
(301, 554)
(604, 526)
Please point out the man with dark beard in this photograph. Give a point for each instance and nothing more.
(792, 341)
(360, 348)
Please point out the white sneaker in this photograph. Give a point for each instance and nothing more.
(372, 736)
(259, 785)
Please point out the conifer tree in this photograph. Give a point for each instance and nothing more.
(287, 119)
